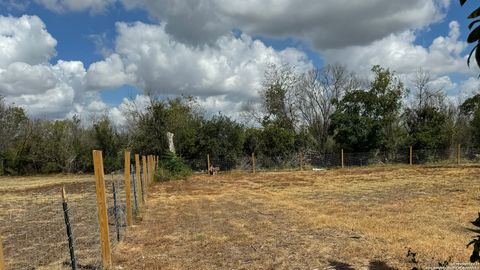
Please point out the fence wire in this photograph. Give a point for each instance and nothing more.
(34, 231)
(33, 228)
(84, 220)
(311, 159)
(116, 210)
(32, 221)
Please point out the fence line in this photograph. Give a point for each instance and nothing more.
(35, 232)
(85, 226)
(306, 159)
(44, 229)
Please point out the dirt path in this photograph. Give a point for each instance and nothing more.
(299, 221)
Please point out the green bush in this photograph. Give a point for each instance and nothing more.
(172, 167)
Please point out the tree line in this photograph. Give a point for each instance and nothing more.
(321, 110)
(330, 109)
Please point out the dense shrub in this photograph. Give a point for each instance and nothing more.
(172, 167)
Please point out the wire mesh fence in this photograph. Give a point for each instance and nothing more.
(41, 230)
(32, 232)
(116, 207)
(396, 157)
(33, 228)
(84, 222)
(311, 159)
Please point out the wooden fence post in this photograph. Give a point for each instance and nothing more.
(411, 155)
(301, 157)
(102, 209)
(208, 164)
(145, 172)
(458, 154)
(253, 163)
(154, 166)
(343, 164)
(150, 168)
(135, 192)
(128, 196)
(2, 259)
(138, 182)
(137, 172)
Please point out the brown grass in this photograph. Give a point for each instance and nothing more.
(362, 218)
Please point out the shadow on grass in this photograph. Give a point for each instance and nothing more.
(340, 265)
(374, 265)
(378, 265)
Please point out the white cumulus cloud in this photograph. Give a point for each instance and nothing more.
(25, 39)
(223, 74)
(232, 66)
(400, 53)
(108, 73)
(26, 76)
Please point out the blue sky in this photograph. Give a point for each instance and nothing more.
(97, 53)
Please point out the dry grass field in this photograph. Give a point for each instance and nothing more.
(358, 218)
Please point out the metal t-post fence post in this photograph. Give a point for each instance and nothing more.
(71, 245)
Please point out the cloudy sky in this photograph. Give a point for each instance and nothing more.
(64, 57)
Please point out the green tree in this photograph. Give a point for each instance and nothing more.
(148, 128)
(221, 138)
(15, 132)
(278, 145)
(427, 127)
(184, 119)
(57, 149)
(278, 97)
(471, 109)
(253, 141)
(82, 145)
(368, 120)
(107, 139)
